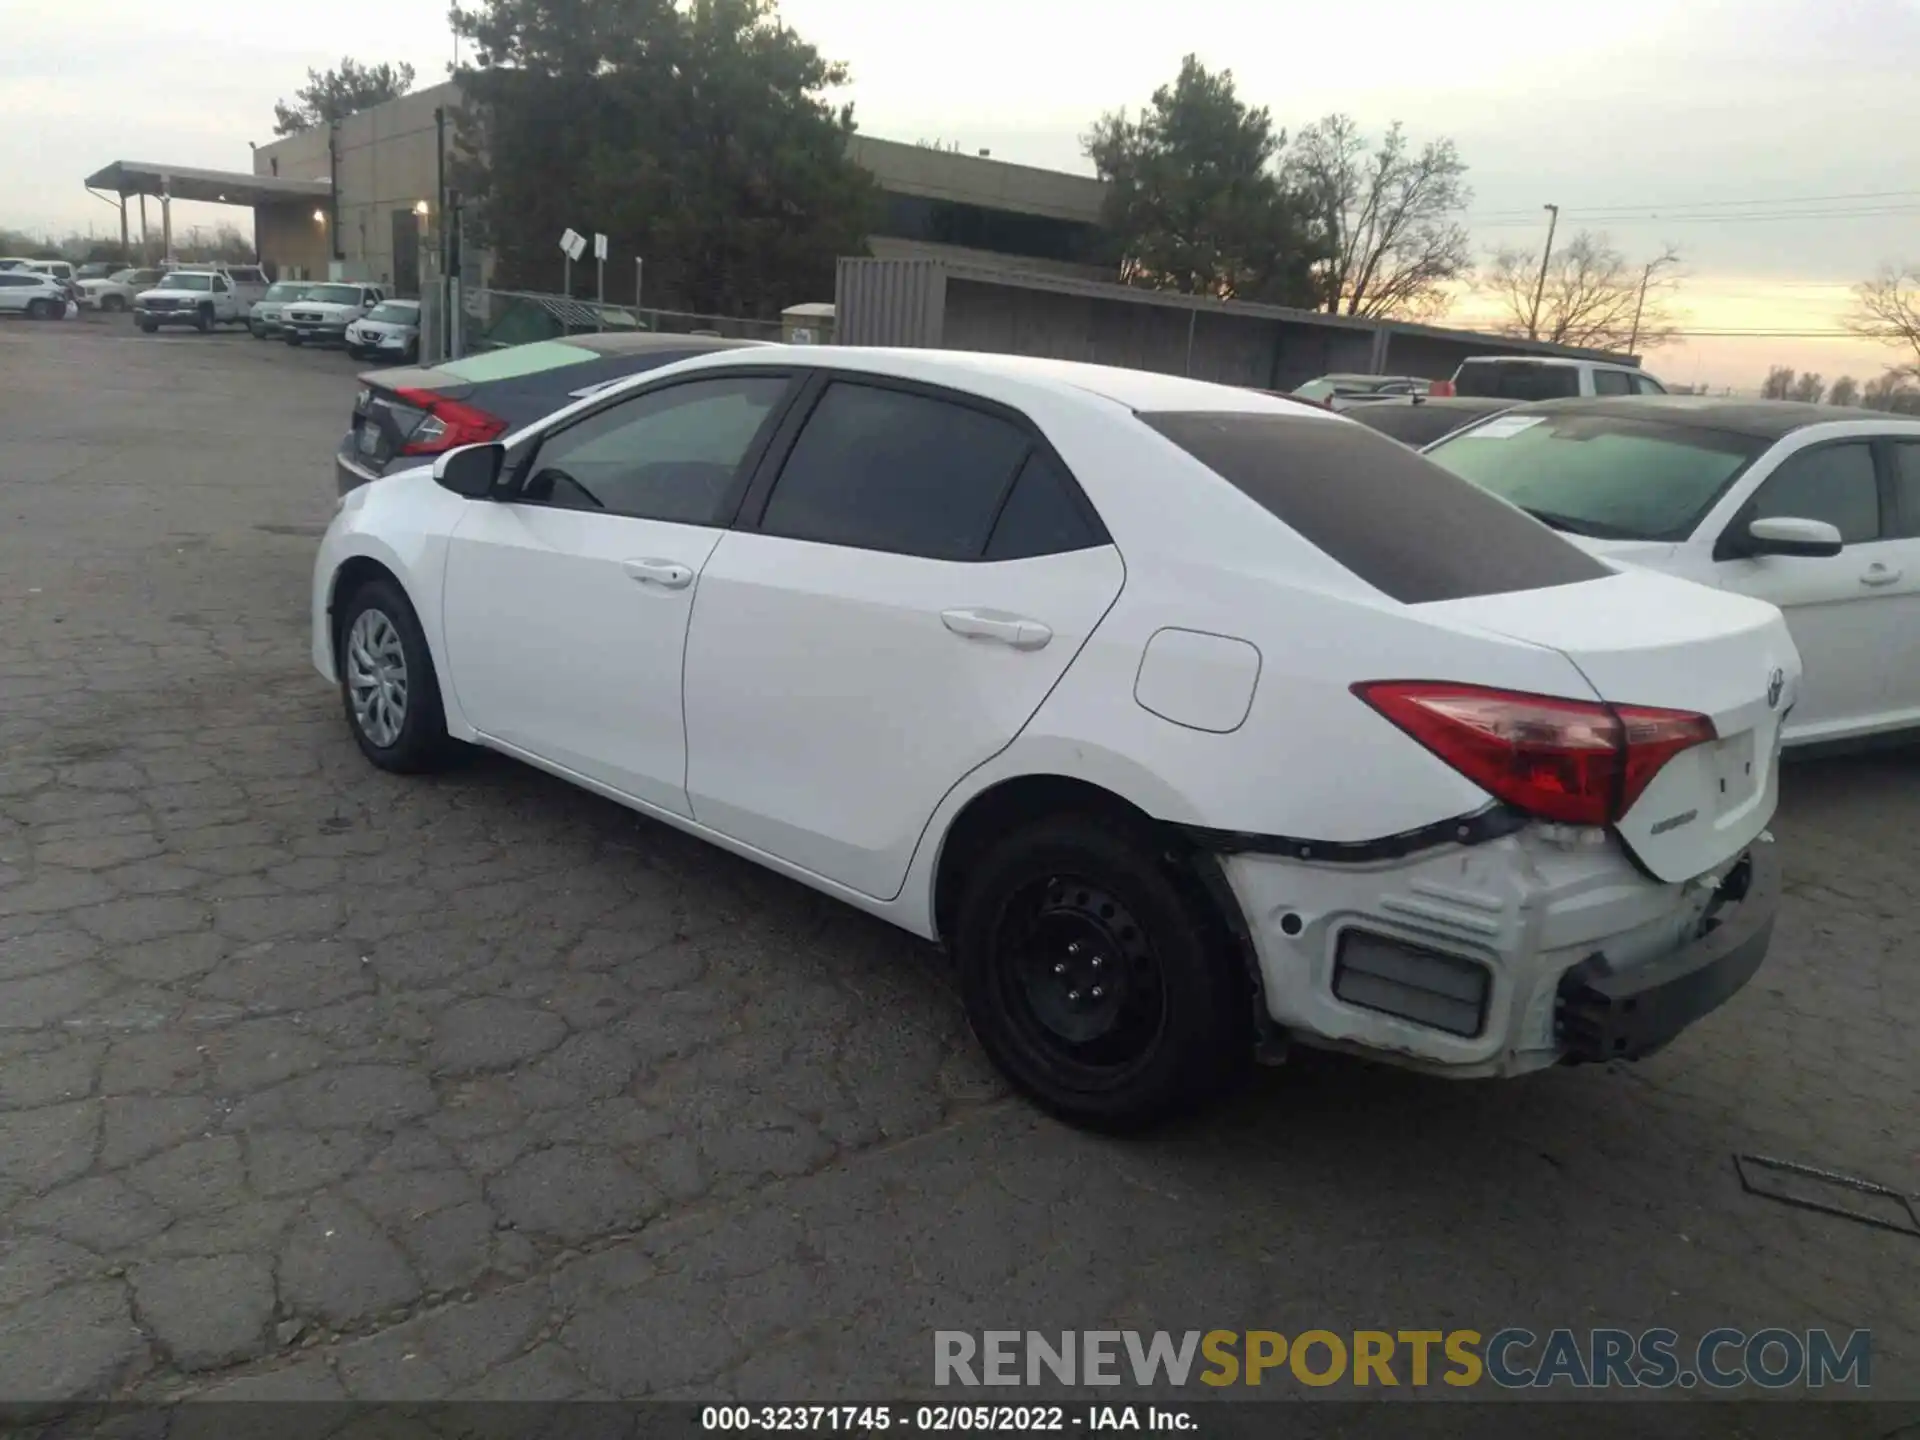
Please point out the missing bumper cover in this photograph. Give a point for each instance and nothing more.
(1475, 829)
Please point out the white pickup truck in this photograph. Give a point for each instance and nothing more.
(200, 296)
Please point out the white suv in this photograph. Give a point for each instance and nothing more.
(1192, 720)
(1549, 377)
(32, 293)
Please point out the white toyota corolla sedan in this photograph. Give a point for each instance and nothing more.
(1193, 721)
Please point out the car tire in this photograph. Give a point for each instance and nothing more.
(388, 687)
(1050, 909)
(40, 310)
(113, 304)
(149, 326)
(293, 339)
(203, 319)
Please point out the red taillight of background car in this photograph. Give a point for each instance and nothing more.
(448, 424)
(1576, 761)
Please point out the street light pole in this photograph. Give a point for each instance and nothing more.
(1645, 275)
(1540, 287)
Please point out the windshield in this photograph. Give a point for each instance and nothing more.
(395, 312)
(121, 277)
(185, 280)
(333, 295)
(287, 290)
(1601, 475)
(1516, 380)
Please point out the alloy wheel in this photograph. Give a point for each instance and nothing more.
(377, 679)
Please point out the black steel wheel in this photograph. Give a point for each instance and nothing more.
(1095, 979)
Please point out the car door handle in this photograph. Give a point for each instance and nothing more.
(1878, 574)
(667, 574)
(1015, 630)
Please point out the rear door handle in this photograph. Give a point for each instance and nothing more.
(1878, 574)
(667, 574)
(997, 625)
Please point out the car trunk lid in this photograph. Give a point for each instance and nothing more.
(1643, 639)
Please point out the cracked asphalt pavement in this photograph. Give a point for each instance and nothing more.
(318, 1082)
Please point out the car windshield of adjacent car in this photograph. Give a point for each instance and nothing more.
(1604, 476)
(186, 280)
(288, 290)
(334, 295)
(1516, 380)
(396, 312)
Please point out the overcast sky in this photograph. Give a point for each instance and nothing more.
(1777, 142)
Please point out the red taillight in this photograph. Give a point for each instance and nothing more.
(1441, 389)
(448, 424)
(1576, 761)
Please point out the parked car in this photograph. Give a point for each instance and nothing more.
(1181, 714)
(389, 331)
(1549, 377)
(201, 296)
(31, 293)
(1426, 419)
(1814, 508)
(264, 319)
(116, 292)
(409, 417)
(321, 316)
(1343, 392)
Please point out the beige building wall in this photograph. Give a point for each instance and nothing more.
(289, 237)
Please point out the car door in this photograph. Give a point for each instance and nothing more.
(1845, 636)
(912, 573)
(566, 600)
(1899, 576)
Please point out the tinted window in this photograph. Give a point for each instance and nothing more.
(1417, 425)
(886, 470)
(1401, 524)
(1906, 484)
(1834, 483)
(220, 287)
(668, 455)
(1647, 385)
(1516, 380)
(1601, 475)
(1044, 515)
(1612, 382)
(15, 280)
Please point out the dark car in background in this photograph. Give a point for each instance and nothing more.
(409, 416)
(1427, 419)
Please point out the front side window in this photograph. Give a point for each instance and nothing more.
(881, 469)
(1647, 385)
(1834, 483)
(670, 454)
(220, 287)
(1606, 476)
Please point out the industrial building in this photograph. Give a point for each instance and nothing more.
(969, 252)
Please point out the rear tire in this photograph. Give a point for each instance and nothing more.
(388, 687)
(1102, 987)
(293, 339)
(149, 326)
(113, 304)
(40, 310)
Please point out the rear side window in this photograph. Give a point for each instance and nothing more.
(880, 469)
(1906, 483)
(1612, 382)
(1399, 522)
(1516, 380)
(1045, 515)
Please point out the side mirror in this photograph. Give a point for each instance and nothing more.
(1786, 535)
(472, 470)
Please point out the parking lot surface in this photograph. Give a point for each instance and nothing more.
(319, 1082)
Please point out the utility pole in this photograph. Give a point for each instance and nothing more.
(1646, 274)
(1540, 287)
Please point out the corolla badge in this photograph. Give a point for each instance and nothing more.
(1776, 685)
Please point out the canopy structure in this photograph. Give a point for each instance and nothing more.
(189, 182)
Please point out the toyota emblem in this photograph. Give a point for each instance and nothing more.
(1776, 683)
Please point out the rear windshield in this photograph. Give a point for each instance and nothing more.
(1406, 527)
(1417, 425)
(1601, 475)
(1516, 380)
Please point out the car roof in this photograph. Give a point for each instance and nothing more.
(1758, 419)
(1573, 360)
(1141, 390)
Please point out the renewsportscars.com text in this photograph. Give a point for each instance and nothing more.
(1512, 1358)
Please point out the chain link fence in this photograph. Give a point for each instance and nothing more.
(491, 319)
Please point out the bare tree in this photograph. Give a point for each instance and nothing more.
(1887, 308)
(1844, 391)
(1779, 383)
(1892, 392)
(1594, 296)
(1389, 218)
(1808, 388)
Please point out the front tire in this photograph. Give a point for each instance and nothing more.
(40, 310)
(149, 326)
(293, 339)
(387, 683)
(203, 319)
(1095, 978)
(114, 304)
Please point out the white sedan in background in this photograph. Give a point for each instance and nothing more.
(1812, 508)
(1193, 721)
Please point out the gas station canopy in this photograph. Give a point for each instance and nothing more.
(219, 187)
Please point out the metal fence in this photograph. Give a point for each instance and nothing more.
(490, 319)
